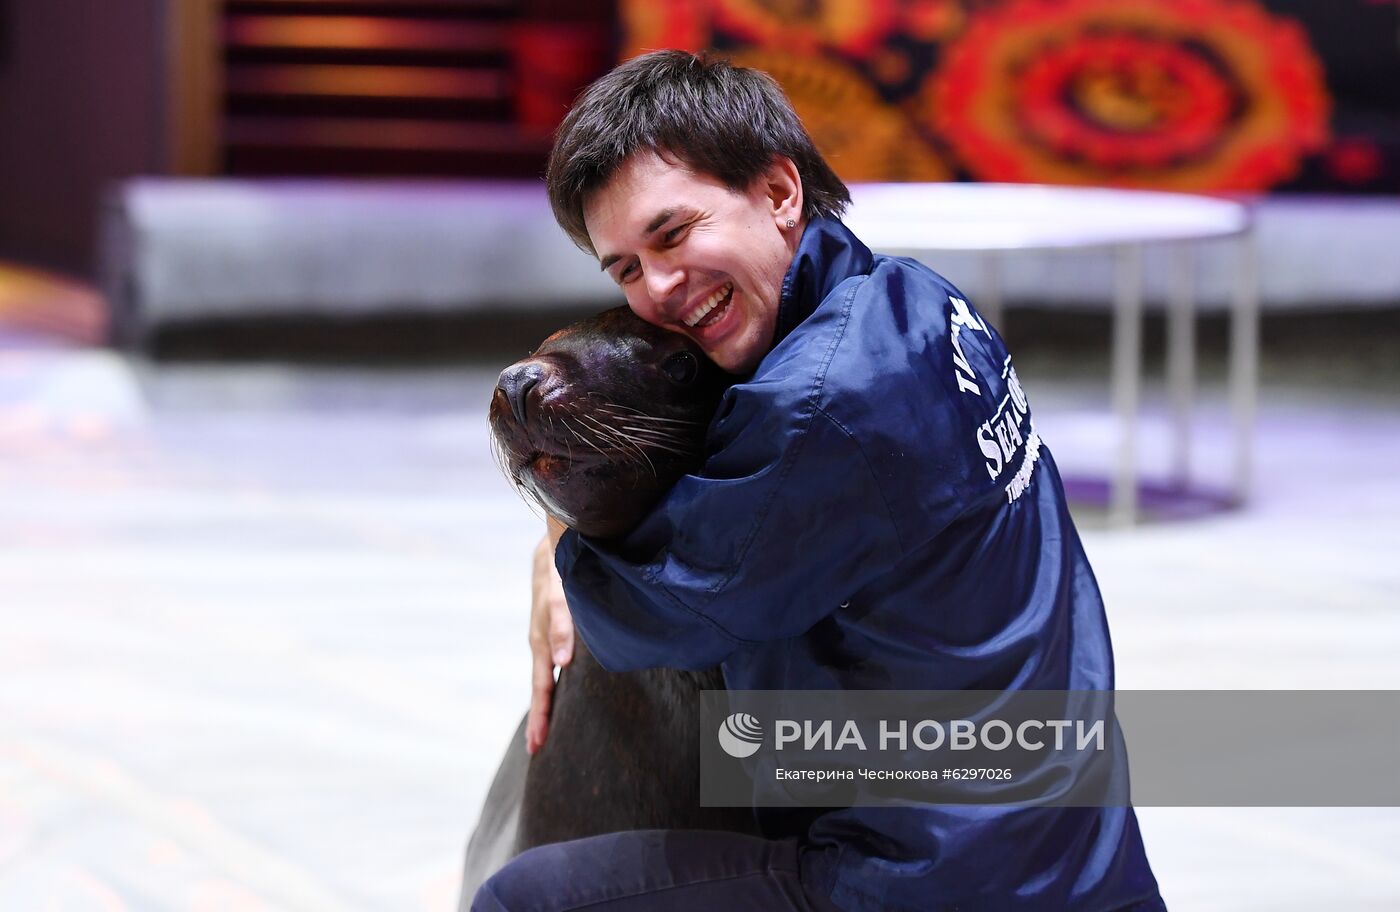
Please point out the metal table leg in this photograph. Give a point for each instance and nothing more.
(1244, 361)
(1181, 357)
(1127, 369)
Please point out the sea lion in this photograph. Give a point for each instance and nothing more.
(595, 426)
(605, 416)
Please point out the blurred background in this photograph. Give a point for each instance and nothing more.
(263, 590)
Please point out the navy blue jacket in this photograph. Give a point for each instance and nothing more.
(877, 511)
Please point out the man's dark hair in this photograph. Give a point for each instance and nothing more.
(723, 120)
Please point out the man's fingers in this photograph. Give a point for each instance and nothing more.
(551, 639)
(561, 632)
(541, 695)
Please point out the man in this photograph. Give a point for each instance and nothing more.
(876, 511)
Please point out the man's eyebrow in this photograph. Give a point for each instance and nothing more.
(662, 217)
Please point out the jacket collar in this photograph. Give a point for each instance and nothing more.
(827, 255)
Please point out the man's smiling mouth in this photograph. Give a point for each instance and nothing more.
(713, 308)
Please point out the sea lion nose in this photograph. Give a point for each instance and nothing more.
(516, 382)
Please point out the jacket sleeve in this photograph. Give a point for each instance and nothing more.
(785, 522)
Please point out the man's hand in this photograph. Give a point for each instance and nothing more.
(551, 635)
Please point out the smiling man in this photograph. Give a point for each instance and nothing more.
(876, 511)
(696, 257)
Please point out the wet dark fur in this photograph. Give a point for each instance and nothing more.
(622, 754)
(622, 751)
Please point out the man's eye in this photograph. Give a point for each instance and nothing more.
(626, 274)
(675, 233)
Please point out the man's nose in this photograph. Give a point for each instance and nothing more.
(515, 384)
(664, 280)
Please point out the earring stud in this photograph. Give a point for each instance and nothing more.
(791, 223)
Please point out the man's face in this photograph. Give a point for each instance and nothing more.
(695, 257)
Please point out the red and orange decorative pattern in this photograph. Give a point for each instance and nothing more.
(650, 26)
(1180, 94)
(854, 28)
(880, 144)
(1204, 95)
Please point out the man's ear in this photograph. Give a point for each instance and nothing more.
(783, 188)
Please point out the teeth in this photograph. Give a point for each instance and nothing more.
(710, 304)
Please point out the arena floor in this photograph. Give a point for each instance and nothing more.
(264, 629)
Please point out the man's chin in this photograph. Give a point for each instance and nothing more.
(732, 362)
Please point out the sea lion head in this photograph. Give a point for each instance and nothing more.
(603, 418)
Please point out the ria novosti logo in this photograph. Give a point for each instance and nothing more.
(741, 735)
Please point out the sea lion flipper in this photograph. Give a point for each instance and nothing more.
(495, 839)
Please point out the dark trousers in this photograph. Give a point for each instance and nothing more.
(674, 870)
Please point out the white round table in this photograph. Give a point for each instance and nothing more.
(1001, 220)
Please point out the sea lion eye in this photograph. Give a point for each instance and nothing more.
(681, 367)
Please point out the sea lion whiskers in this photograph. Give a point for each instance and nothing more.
(498, 453)
(612, 444)
(524, 490)
(673, 440)
(663, 443)
(662, 431)
(639, 415)
(620, 441)
(674, 435)
(579, 435)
